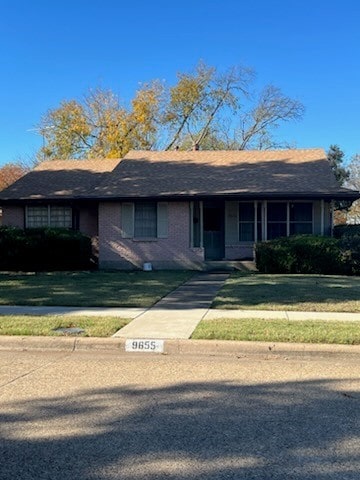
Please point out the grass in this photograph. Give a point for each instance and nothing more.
(44, 325)
(308, 331)
(86, 289)
(317, 293)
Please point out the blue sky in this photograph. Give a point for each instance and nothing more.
(54, 50)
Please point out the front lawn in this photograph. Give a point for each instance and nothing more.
(89, 289)
(45, 325)
(317, 293)
(306, 331)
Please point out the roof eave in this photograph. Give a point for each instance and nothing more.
(350, 196)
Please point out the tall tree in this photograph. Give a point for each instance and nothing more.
(101, 126)
(198, 99)
(11, 172)
(336, 158)
(354, 172)
(206, 108)
(270, 110)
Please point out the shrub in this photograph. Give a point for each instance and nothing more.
(43, 249)
(346, 231)
(301, 254)
(350, 246)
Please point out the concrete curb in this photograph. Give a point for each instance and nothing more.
(179, 347)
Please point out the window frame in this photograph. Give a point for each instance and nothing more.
(289, 222)
(48, 223)
(127, 221)
(253, 222)
(138, 236)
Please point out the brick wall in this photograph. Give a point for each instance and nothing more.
(171, 252)
(13, 216)
(88, 221)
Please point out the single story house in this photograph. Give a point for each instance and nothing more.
(178, 209)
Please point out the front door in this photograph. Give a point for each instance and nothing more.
(214, 242)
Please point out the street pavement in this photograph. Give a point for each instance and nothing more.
(88, 409)
(103, 415)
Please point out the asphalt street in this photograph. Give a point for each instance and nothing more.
(105, 415)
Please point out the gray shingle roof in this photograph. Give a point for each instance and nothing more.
(177, 173)
(61, 179)
(231, 173)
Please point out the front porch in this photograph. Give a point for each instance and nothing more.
(228, 230)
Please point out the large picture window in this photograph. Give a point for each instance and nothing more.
(289, 218)
(48, 216)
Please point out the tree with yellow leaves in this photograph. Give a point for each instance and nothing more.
(205, 109)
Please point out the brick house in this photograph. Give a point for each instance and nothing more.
(179, 209)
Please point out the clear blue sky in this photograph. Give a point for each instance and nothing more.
(54, 50)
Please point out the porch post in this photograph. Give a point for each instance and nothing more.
(191, 224)
(201, 206)
(322, 217)
(265, 220)
(332, 218)
(255, 221)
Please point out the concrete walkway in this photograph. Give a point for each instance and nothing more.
(177, 314)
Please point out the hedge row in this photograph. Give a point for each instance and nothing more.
(40, 249)
(346, 231)
(310, 254)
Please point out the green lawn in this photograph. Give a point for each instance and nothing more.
(290, 292)
(86, 289)
(308, 331)
(45, 325)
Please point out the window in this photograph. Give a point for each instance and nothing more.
(37, 217)
(301, 220)
(145, 221)
(61, 217)
(289, 218)
(259, 222)
(276, 220)
(246, 222)
(49, 216)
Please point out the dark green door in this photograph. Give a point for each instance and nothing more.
(214, 242)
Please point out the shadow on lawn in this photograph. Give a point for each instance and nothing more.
(300, 430)
(86, 289)
(252, 290)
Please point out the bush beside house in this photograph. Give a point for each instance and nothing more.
(41, 249)
(309, 254)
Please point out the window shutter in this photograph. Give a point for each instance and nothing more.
(127, 220)
(162, 220)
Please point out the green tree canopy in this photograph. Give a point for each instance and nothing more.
(336, 158)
